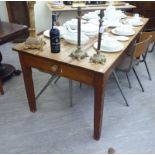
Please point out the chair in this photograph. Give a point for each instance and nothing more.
(145, 35)
(119, 86)
(56, 78)
(130, 60)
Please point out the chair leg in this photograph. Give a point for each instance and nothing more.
(57, 79)
(1, 88)
(128, 80)
(138, 79)
(147, 69)
(70, 92)
(80, 85)
(119, 86)
(46, 85)
(152, 48)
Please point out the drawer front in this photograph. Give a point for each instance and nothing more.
(61, 69)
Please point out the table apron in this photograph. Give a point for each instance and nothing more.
(63, 69)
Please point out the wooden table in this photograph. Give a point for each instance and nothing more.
(8, 32)
(83, 71)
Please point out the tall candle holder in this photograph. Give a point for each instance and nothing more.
(78, 53)
(99, 58)
(32, 42)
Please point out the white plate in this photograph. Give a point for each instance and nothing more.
(90, 16)
(47, 33)
(91, 34)
(132, 22)
(115, 32)
(109, 51)
(122, 38)
(89, 28)
(111, 24)
(123, 16)
(72, 38)
(61, 30)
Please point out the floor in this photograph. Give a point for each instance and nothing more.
(58, 128)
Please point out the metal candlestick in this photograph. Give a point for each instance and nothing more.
(78, 54)
(99, 58)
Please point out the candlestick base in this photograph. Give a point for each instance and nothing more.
(98, 58)
(78, 54)
(34, 43)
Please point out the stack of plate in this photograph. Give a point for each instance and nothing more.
(88, 29)
(124, 30)
(90, 15)
(111, 23)
(110, 44)
(72, 38)
(134, 21)
(73, 23)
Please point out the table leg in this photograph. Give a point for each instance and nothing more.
(1, 88)
(1, 67)
(99, 87)
(27, 75)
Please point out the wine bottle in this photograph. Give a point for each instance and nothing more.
(54, 36)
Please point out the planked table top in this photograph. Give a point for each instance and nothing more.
(67, 48)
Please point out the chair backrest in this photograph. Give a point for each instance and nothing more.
(145, 35)
(142, 47)
(134, 52)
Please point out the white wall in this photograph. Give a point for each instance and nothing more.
(3, 11)
(43, 16)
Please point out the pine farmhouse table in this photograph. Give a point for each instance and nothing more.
(83, 71)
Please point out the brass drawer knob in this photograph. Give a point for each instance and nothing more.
(54, 68)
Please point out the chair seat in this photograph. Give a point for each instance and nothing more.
(126, 62)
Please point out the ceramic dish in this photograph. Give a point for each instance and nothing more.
(124, 30)
(91, 34)
(123, 16)
(72, 38)
(86, 28)
(47, 33)
(89, 16)
(134, 22)
(89, 28)
(111, 24)
(122, 38)
(108, 50)
(122, 34)
(60, 28)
